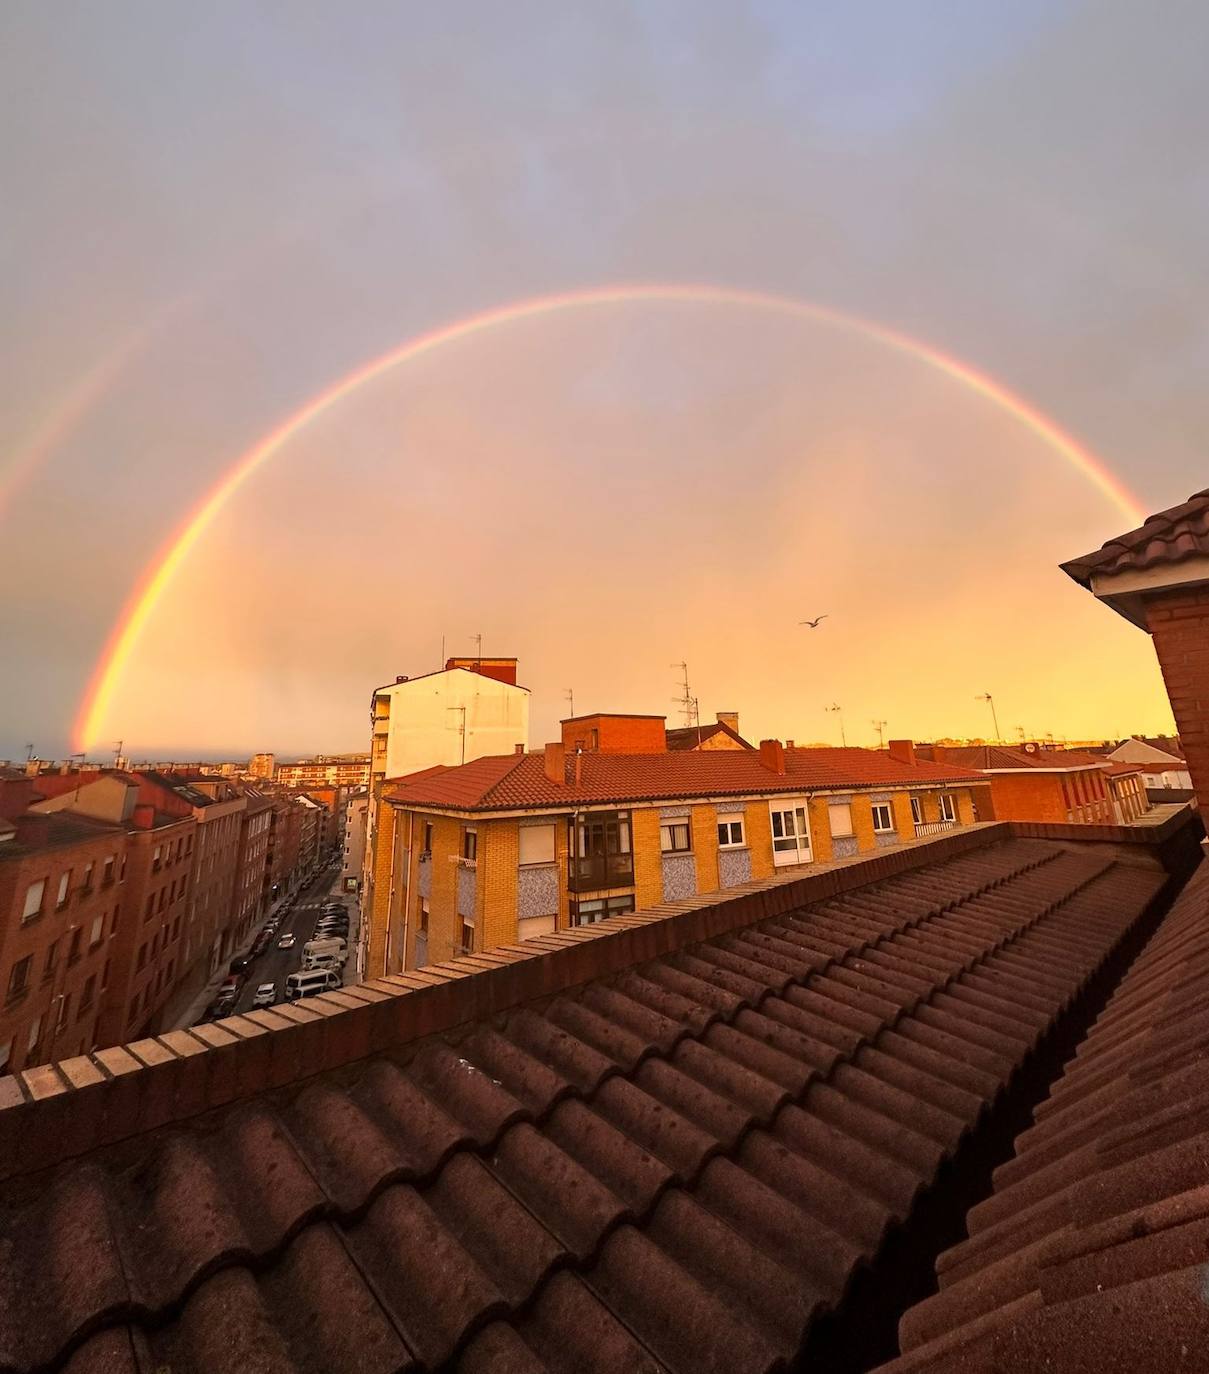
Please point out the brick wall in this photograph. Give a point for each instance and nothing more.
(1179, 625)
(820, 830)
(377, 902)
(862, 824)
(759, 839)
(705, 847)
(495, 893)
(904, 822)
(1029, 797)
(648, 857)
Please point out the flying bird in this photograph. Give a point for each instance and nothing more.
(814, 624)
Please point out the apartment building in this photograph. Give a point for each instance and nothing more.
(512, 847)
(325, 770)
(254, 824)
(1033, 782)
(352, 860)
(1164, 767)
(262, 766)
(469, 709)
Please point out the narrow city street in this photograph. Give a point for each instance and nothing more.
(275, 964)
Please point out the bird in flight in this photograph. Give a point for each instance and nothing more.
(814, 624)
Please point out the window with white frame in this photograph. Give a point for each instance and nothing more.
(33, 900)
(839, 814)
(536, 844)
(790, 833)
(64, 886)
(948, 811)
(470, 844)
(675, 836)
(883, 818)
(730, 832)
(917, 811)
(587, 913)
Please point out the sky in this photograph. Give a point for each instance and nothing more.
(214, 213)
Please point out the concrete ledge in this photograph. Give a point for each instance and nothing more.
(55, 1112)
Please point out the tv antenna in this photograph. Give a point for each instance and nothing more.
(838, 710)
(478, 652)
(569, 693)
(880, 727)
(990, 701)
(686, 701)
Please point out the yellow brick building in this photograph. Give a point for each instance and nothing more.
(509, 848)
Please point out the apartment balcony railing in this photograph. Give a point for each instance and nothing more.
(923, 828)
(597, 871)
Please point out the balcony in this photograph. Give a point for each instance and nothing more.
(597, 871)
(923, 828)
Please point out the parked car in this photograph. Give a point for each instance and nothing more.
(223, 1005)
(230, 985)
(242, 964)
(311, 983)
(286, 941)
(266, 995)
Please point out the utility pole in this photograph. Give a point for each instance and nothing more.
(880, 727)
(460, 727)
(990, 701)
(686, 701)
(836, 709)
(569, 693)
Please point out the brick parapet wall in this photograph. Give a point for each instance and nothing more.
(55, 1112)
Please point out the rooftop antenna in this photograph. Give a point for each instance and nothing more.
(1020, 732)
(569, 693)
(880, 727)
(443, 660)
(29, 753)
(838, 710)
(117, 752)
(990, 701)
(686, 701)
(478, 652)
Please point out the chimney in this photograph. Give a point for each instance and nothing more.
(939, 753)
(772, 756)
(579, 767)
(518, 748)
(789, 744)
(730, 719)
(143, 816)
(556, 763)
(401, 678)
(903, 751)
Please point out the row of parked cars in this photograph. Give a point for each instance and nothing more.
(228, 993)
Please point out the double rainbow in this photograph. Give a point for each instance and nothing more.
(152, 584)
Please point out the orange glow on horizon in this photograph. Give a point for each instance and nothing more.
(151, 586)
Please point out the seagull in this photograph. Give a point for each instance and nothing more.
(814, 624)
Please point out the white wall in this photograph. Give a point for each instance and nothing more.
(424, 729)
(352, 858)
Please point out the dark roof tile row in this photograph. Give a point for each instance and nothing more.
(677, 1168)
(1090, 1252)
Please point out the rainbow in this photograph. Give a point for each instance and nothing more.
(152, 584)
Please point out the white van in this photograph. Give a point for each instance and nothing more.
(310, 984)
(317, 952)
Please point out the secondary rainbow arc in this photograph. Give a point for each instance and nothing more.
(155, 579)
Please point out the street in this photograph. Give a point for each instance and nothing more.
(274, 964)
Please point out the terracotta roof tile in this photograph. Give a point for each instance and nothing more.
(679, 1168)
(1169, 537)
(504, 782)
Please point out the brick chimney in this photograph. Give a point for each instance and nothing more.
(518, 748)
(903, 751)
(556, 763)
(772, 756)
(143, 816)
(940, 754)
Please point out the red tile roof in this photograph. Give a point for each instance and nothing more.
(678, 1168)
(1169, 537)
(511, 781)
(1090, 1254)
(693, 736)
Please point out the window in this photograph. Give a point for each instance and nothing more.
(467, 935)
(948, 812)
(150, 908)
(536, 844)
(18, 979)
(840, 817)
(730, 832)
(601, 851)
(155, 858)
(49, 969)
(107, 873)
(86, 881)
(423, 917)
(917, 811)
(33, 900)
(470, 844)
(427, 838)
(87, 995)
(883, 818)
(64, 1013)
(105, 976)
(64, 887)
(675, 837)
(600, 908)
(790, 834)
(6, 1053)
(35, 1030)
(73, 951)
(142, 959)
(98, 932)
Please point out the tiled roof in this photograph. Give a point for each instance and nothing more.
(34, 833)
(1090, 1253)
(503, 782)
(679, 1167)
(995, 756)
(692, 736)
(1166, 538)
